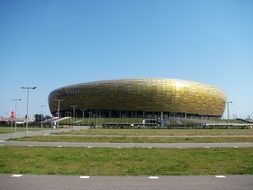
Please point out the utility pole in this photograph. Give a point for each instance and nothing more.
(27, 100)
(15, 114)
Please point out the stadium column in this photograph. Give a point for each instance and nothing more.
(185, 120)
(161, 120)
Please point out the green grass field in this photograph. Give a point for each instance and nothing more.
(123, 162)
(59, 138)
(162, 132)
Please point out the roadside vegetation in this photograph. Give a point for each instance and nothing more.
(147, 136)
(61, 138)
(125, 161)
(162, 132)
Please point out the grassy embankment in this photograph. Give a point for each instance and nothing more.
(162, 132)
(57, 138)
(148, 135)
(136, 161)
(99, 121)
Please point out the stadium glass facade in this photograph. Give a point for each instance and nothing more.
(138, 98)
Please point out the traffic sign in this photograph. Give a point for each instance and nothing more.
(12, 114)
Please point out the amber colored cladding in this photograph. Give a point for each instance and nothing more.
(158, 95)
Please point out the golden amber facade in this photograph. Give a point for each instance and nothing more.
(149, 95)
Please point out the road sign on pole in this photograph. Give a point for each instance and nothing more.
(12, 115)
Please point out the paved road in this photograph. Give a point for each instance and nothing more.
(42, 182)
(6, 136)
(125, 145)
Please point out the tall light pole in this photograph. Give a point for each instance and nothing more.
(74, 108)
(229, 102)
(27, 100)
(83, 110)
(41, 109)
(15, 113)
(58, 111)
(90, 116)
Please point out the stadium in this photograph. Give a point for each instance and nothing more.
(138, 98)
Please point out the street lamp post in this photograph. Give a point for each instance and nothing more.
(90, 116)
(15, 100)
(229, 102)
(74, 108)
(27, 100)
(83, 110)
(41, 109)
(58, 111)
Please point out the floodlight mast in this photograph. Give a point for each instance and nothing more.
(27, 100)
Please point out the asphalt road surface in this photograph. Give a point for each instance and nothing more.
(43, 182)
(125, 145)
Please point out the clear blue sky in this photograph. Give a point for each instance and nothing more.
(51, 43)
